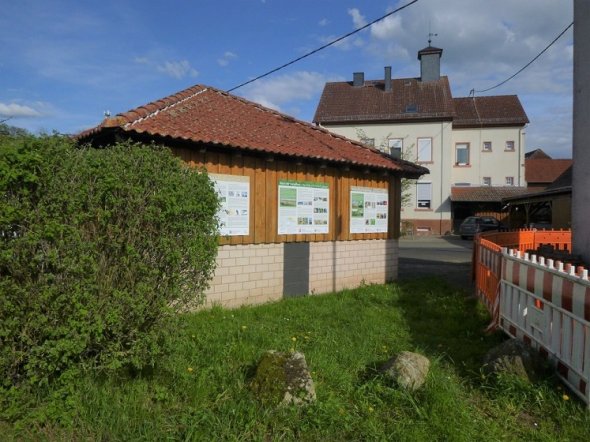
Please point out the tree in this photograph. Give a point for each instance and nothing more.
(383, 145)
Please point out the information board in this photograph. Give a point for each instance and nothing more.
(303, 207)
(368, 210)
(234, 196)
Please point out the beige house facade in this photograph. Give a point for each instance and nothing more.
(464, 142)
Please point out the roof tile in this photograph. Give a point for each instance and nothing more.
(208, 115)
(544, 170)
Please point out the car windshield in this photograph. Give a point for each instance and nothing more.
(470, 220)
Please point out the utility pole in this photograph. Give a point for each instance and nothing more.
(581, 132)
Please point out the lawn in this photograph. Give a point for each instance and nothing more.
(200, 391)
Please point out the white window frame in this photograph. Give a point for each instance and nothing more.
(510, 181)
(486, 178)
(485, 148)
(424, 150)
(396, 144)
(510, 145)
(461, 146)
(423, 195)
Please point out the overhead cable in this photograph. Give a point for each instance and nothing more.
(526, 65)
(323, 47)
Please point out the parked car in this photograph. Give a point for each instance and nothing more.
(540, 225)
(476, 224)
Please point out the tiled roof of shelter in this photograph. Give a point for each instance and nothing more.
(485, 193)
(544, 170)
(497, 110)
(207, 115)
(409, 99)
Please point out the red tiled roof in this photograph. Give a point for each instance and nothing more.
(544, 170)
(342, 102)
(537, 154)
(496, 110)
(485, 193)
(207, 115)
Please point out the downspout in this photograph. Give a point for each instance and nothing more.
(519, 150)
(441, 175)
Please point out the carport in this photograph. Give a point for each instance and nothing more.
(481, 201)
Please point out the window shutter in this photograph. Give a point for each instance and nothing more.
(424, 149)
(424, 191)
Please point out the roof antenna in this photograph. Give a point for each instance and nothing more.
(430, 34)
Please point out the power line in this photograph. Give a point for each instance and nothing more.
(322, 47)
(527, 65)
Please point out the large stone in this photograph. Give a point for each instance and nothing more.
(407, 369)
(283, 379)
(514, 358)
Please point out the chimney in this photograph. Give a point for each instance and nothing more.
(387, 83)
(358, 79)
(430, 63)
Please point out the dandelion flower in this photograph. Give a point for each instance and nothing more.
(190, 369)
(244, 327)
(293, 338)
(565, 397)
(371, 409)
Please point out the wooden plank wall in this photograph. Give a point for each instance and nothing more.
(264, 177)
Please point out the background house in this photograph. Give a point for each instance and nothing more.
(541, 170)
(465, 142)
(303, 210)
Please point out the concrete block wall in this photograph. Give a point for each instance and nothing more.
(254, 273)
(247, 274)
(338, 265)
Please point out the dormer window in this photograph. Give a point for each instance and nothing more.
(411, 109)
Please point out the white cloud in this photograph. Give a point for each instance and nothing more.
(357, 18)
(178, 69)
(227, 57)
(323, 22)
(286, 89)
(16, 110)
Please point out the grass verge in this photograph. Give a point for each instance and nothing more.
(200, 391)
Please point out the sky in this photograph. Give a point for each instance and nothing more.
(64, 63)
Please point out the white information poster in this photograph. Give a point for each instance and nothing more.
(368, 210)
(234, 196)
(303, 207)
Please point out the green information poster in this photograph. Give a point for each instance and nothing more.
(303, 207)
(368, 210)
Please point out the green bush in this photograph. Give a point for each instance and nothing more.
(99, 248)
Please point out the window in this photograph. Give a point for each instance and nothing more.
(411, 108)
(487, 181)
(510, 181)
(509, 145)
(487, 146)
(462, 154)
(395, 147)
(423, 195)
(368, 141)
(425, 150)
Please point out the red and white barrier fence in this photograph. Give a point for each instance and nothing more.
(547, 305)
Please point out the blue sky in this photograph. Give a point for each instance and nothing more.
(64, 63)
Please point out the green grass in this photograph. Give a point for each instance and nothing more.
(200, 391)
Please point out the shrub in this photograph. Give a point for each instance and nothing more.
(99, 248)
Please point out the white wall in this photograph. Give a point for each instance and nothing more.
(440, 167)
(497, 164)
